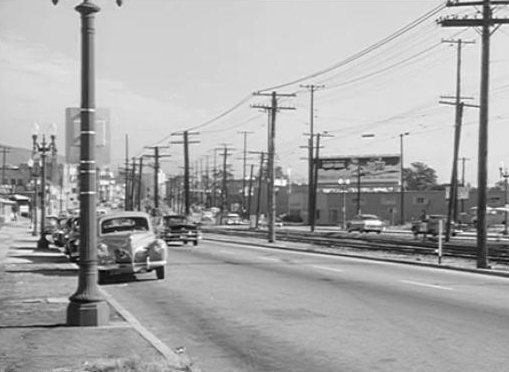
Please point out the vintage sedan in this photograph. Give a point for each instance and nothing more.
(127, 244)
(365, 223)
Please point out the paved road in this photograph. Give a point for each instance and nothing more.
(239, 308)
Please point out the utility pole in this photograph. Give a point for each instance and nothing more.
(463, 160)
(5, 151)
(485, 23)
(312, 89)
(140, 182)
(459, 105)
(249, 195)
(133, 183)
(316, 166)
(244, 133)
(224, 188)
(260, 183)
(272, 110)
(156, 157)
(185, 134)
(126, 189)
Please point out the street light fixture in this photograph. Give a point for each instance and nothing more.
(504, 172)
(87, 307)
(43, 148)
(343, 185)
(402, 186)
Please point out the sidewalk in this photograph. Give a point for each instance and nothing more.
(34, 291)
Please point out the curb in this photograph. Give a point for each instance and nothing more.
(169, 355)
(487, 272)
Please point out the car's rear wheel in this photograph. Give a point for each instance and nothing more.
(160, 272)
(195, 243)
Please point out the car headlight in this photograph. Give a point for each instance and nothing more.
(102, 249)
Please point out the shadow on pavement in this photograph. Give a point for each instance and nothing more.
(48, 272)
(24, 326)
(43, 259)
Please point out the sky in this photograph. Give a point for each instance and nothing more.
(164, 66)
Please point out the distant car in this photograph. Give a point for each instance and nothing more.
(177, 228)
(231, 219)
(72, 239)
(128, 244)
(365, 223)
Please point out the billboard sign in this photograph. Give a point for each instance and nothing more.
(102, 138)
(375, 170)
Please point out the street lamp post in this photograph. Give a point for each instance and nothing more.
(43, 148)
(504, 172)
(87, 307)
(343, 185)
(33, 178)
(402, 181)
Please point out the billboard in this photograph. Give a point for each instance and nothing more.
(375, 170)
(102, 138)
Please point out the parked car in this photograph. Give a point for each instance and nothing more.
(365, 223)
(177, 228)
(128, 244)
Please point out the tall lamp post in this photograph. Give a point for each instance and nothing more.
(402, 181)
(504, 172)
(33, 178)
(343, 185)
(87, 307)
(43, 148)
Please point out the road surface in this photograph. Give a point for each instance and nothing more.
(243, 308)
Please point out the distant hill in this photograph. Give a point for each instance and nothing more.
(19, 155)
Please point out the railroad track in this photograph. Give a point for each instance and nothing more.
(498, 251)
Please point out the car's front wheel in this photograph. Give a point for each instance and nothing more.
(160, 272)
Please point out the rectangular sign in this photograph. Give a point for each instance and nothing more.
(374, 170)
(102, 138)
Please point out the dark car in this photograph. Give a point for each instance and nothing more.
(72, 242)
(177, 228)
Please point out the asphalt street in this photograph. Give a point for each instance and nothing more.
(242, 308)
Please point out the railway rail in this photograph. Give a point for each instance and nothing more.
(391, 243)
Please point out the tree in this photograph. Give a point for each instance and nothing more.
(419, 177)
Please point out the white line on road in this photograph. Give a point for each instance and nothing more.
(327, 268)
(426, 285)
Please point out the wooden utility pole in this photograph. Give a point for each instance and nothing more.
(127, 207)
(250, 190)
(244, 133)
(140, 182)
(225, 205)
(485, 23)
(260, 183)
(312, 89)
(156, 157)
(272, 110)
(315, 176)
(459, 105)
(186, 144)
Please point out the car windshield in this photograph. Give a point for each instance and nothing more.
(174, 220)
(120, 224)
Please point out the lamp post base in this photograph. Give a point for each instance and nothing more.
(88, 314)
(42, 243)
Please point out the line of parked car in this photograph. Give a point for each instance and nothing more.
(127, 242)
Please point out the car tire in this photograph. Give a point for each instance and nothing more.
(195, 243)
(160, 272)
